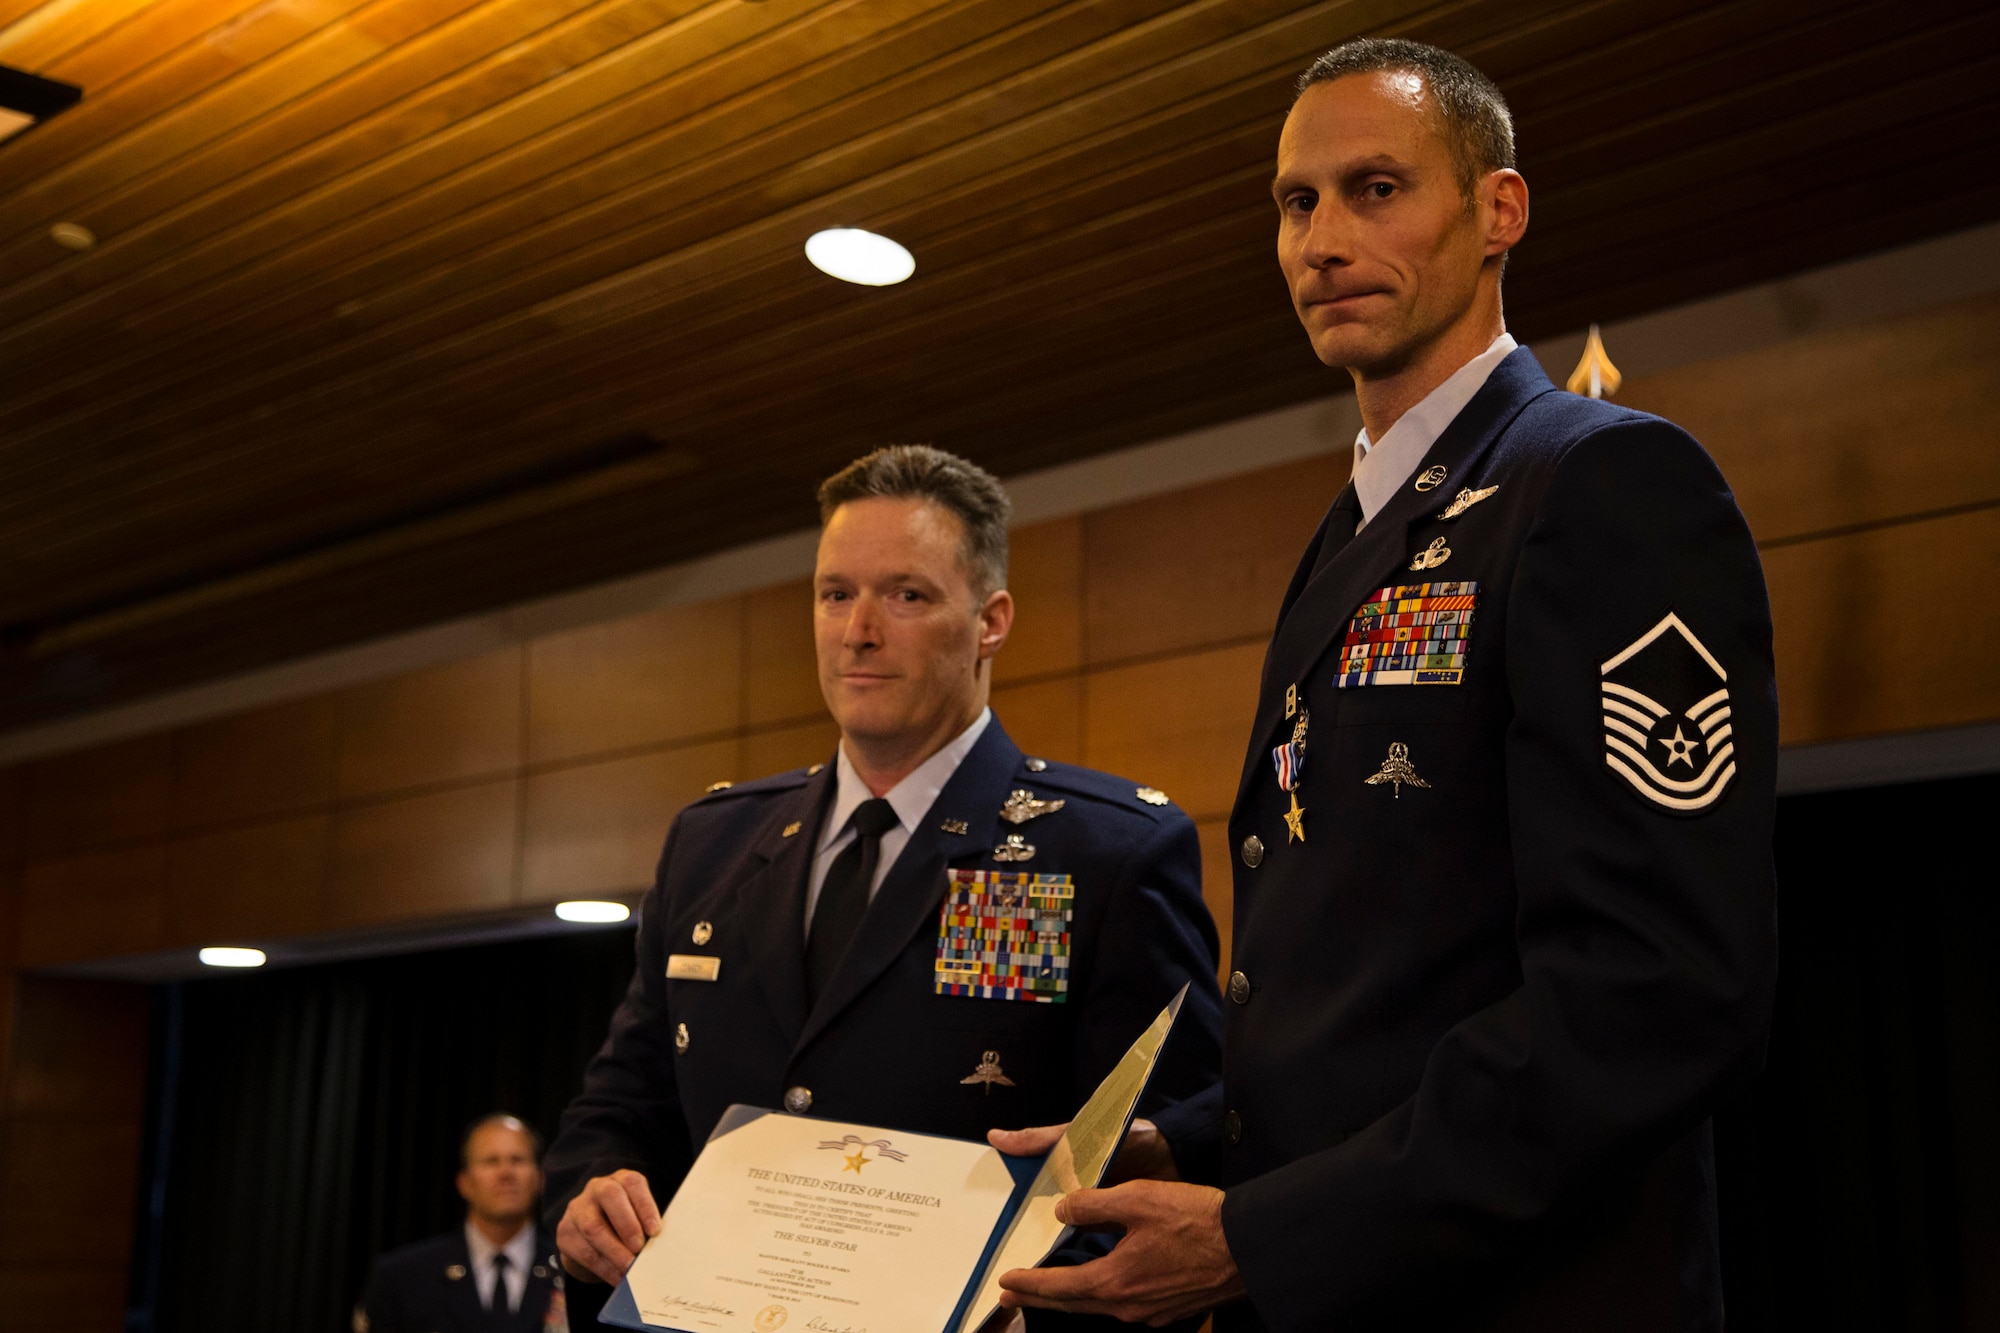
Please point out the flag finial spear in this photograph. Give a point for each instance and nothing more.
(1595, 376)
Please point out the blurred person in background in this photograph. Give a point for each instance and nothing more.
(495, 1274)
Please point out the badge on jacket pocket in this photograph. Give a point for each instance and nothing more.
(693, 967)
(1004, 935)
(1411, 634)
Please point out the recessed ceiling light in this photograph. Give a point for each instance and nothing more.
(72, 236)
(222, 956)
(854, 255)
(598, 913)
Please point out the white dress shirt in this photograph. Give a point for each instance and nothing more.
(520, 1253)
(1381, 468)
(911, 799)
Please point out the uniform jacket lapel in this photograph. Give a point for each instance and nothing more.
(914, 888)
(774, 898)
(532, 1313)
(462, 1293)
(1380, 553)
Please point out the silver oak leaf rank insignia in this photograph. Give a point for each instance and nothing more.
(1666, 719)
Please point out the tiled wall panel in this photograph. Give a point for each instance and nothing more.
(642, 680)
(93, 905)
(598, 828)
(255, 882)
(446, 724)
(448, 853)
(264, 762)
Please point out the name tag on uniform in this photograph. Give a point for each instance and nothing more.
(1412, 634)
(1004, 935)
(693, 967)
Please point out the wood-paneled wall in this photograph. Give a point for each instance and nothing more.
(1864, 459)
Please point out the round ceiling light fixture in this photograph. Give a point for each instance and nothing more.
(227, 956)
(594, 913)
(858, 256)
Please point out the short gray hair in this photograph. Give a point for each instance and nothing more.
(1478, 127)
(920, 472)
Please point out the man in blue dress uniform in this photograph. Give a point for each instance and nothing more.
(496, 1275)
(824, 941)
(1505, 931)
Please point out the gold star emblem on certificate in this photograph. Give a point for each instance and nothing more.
(1295, 821)
(856, 1162)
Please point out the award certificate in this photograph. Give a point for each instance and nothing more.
(797, 1224)
(815, 1226)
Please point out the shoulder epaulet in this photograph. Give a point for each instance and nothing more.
(789, 781)
(1073, 780)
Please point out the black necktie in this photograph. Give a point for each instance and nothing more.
(502, 1302)
(1341, 522)
(843, 898)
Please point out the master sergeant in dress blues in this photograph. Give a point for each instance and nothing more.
(931, 931)
(1504, 925)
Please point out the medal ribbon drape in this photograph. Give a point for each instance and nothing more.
(1290, 761)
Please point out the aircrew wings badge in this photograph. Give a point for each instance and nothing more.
(1666, 719)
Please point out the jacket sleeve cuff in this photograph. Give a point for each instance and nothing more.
(1192, 1127)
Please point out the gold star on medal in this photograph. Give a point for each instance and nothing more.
(856, 1162)
(1295, 821)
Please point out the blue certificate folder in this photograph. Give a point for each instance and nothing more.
(622, 1311)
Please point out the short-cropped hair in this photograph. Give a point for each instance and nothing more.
(505, 1121)
(920, 472)
(1477, 126)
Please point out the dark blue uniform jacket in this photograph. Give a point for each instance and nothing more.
(428, 1287)
(1485, 1015)
(883, 1047)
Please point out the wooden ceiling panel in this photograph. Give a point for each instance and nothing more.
(386, 290)
(367, 318)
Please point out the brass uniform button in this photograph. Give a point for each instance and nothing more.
(798, 1100)
(1253, 851)
(703, 932)
(1232, 1127)
(680, 1039)
(1239, 988)
(1035, 765)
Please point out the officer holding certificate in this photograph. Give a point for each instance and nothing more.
(1504, 917)
(929, 932)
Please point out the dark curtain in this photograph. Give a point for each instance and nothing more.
(1860, 1179)
(312, 1117)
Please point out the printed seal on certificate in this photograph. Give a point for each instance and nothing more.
(789, 1223)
